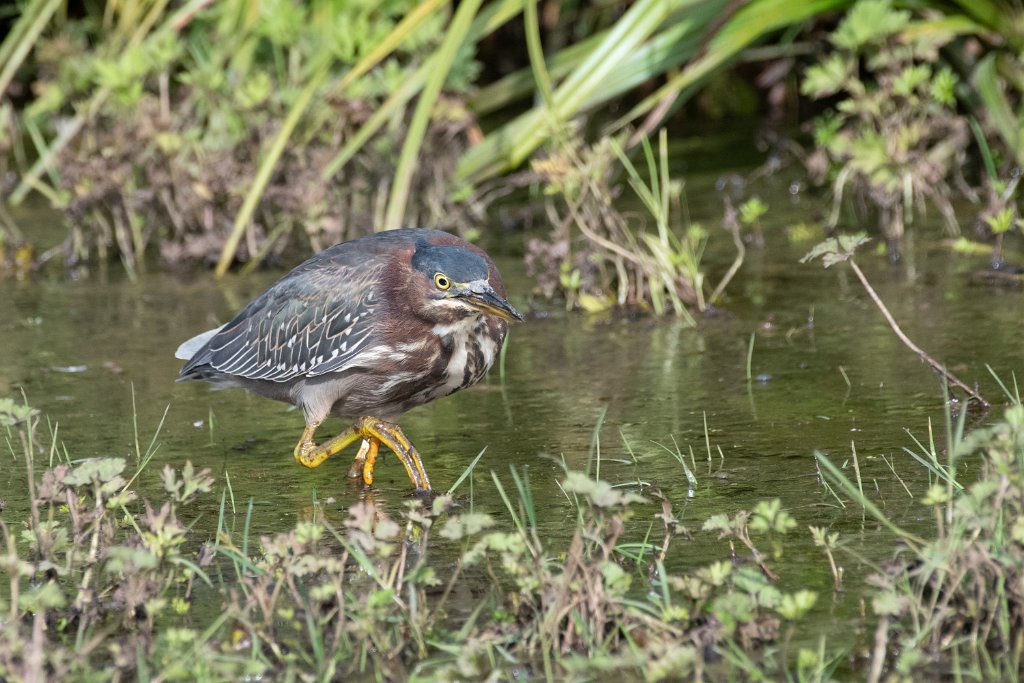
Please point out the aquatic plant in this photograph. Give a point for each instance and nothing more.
(100, 579)
(958, 594)
(903, 86)
(598, 258)
(207, 130)
(223, 131)
(893, 137)
(680, 43)
(841, 249)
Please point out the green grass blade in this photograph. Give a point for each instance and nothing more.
(666, 50)
(404, 28)
(751, 23)
(852, 490)
(587, 84)
(266, 169)
(986, 151)
(466, 472)
(536, 54)
(525, 496)
(520, 84)
(516, 520)
(409, 24)
(384, 113)
(486, 22)
(23, 36)
(998, 108)
(407, 160)
(992, 14)
(1012, 396)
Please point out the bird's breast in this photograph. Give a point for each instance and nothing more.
(467, 350)
(392, 378)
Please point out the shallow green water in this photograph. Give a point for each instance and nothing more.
(78, 348)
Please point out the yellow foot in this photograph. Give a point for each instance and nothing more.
(304, 449)
(373, 432)
(367, 456)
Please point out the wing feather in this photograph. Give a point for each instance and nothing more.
(313, 321)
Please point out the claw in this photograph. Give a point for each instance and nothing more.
(373, 432)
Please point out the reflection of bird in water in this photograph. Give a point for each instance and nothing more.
(364, 330)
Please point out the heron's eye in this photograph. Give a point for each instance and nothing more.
(442, 281)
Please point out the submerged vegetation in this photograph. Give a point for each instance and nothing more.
(956, 596)
(101, 578)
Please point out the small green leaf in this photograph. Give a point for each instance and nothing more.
(870, 21)
(599, 493)
(1001, 221)
(12, 413)
(734, 608)
(715, 573)
(835, 250)
(827, 78)
(308, 532)
(719, 522)
(98, 470)
(770, 517)
(889, 603)
(795, 605)
(910, 79)
(943, 87)
(936, 495)
(425, 576)
(380, 598)
(752, 209)
(806, 659)
(615, 578)
(441, 505)
(458, 527)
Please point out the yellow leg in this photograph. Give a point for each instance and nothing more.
(308, 454)
(306, 445)
(374, 432)
(370, 461)
(368, 445)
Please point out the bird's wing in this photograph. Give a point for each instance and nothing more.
(312, 321)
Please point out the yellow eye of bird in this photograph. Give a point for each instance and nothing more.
(442, 281)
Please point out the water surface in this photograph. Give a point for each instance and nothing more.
(96, 355)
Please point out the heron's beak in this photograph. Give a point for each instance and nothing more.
(480, 294)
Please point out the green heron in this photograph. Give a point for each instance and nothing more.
(364, 330)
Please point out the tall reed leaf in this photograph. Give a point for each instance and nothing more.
(997, 107)
(751, 23)
(486, 22)
(513, 143)
(388, 45)
(266, 169)
(23, 36)
(456, 36)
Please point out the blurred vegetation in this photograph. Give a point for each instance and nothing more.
(898, 131)
(233, 131)
(158, 126)
(956, 595)
(104, 583)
